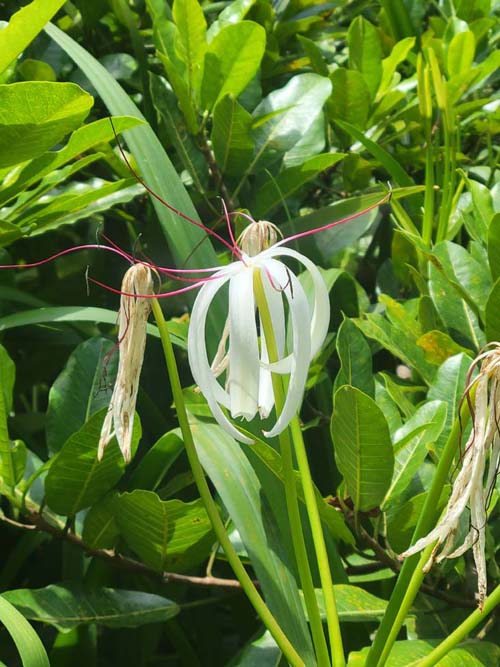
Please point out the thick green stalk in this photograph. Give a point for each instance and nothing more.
(402, 596)
(332, 618)
(290, 485)
(462, 631)
(246, 583)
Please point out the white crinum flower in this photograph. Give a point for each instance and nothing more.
(248, 381)
(470, 488)
(133, 317)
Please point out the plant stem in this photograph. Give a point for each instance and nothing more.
(290, 484)
(462, 631)
(405, 589)
(198, 473)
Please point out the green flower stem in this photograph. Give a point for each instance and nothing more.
(198, 473)
(290, 484)
(462, 631)
(406, 587)
(334, 633)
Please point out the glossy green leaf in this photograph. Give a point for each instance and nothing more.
(362, 446)
(399, 53)
(411, 443)
(448, 386)
(191, 43)
(275, 190)
(23, 27)
(286, 115)
(409, 653)
(365, 52)
(231, 61)
(157, 462)
(494, 246)
(69, 605)
(243, 497)
(83, 388)
(350, 100)
(355, 359)
(28, 643)
(439, 346)
(354, 604)
(313, 52)
(76, 479)
(231, 136)
(79, 314)
(166, 534)
(460, 53)
(100, 529)
(234, 12)
(35, 115)
(12, 453)
(260, 652)
(492, 314)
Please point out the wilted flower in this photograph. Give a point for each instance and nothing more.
(133, 317)
(470, 487)
(248, 381)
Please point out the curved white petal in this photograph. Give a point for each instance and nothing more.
(320, 316)
(301, 354)
(244, 370)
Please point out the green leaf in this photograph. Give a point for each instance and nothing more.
(157, 462)
(355, 359)
(7, 377)
(245, 501)
(82, 389)
(286, 115)
(494, 246)
(411, 443)
(399, 53)
(85, 314)
(100, 529)
(275, 190)
(12, 453)
(362, 445)
(365, 52)
(166, 534)
(460, 53)
(28, 643)
(234, 12)
(191, 42)
(390, 164)
(231, 61)
(350, 100)
(260, 652)
(354, 604)
(69, 605)
(313, 52)
(76, 478)
(35, 115)
(439, 346)
(23, 27)
(492, 314)
(448, 386)
(409, 653)
(231, 136)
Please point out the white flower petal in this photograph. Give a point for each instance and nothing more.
(244, 369)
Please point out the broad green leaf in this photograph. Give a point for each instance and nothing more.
(460, 53)
(35, 70)
(355, 359)
(245, 501)
(365, 52)
(28, 643)
(398, 17)
(397, 341)
(167, 107)
(85, 138)
(12, 453)
(313, 52)
(35, 115)
(309, 145)
(100, 529)
(234, 12)
(399, 53)
(66, 606)
(350, 100)
(166, 534)
(191, 43)
(492, 313)
(154, 165)
(362, 446)
(85, 314)
(448, 386)
(354, 604)
(231, 136)
(409, 653)
(23, 27)
(7, 377)
(285, 115)
(390, 164)
(275, 190)
(481, 205)
(76, 479)
(411, 443)
(494, 246)
(83, 388)
(439, 346)
(231, 61)
(157, 462)
(261, 652)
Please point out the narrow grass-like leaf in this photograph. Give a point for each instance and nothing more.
(28, 644)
